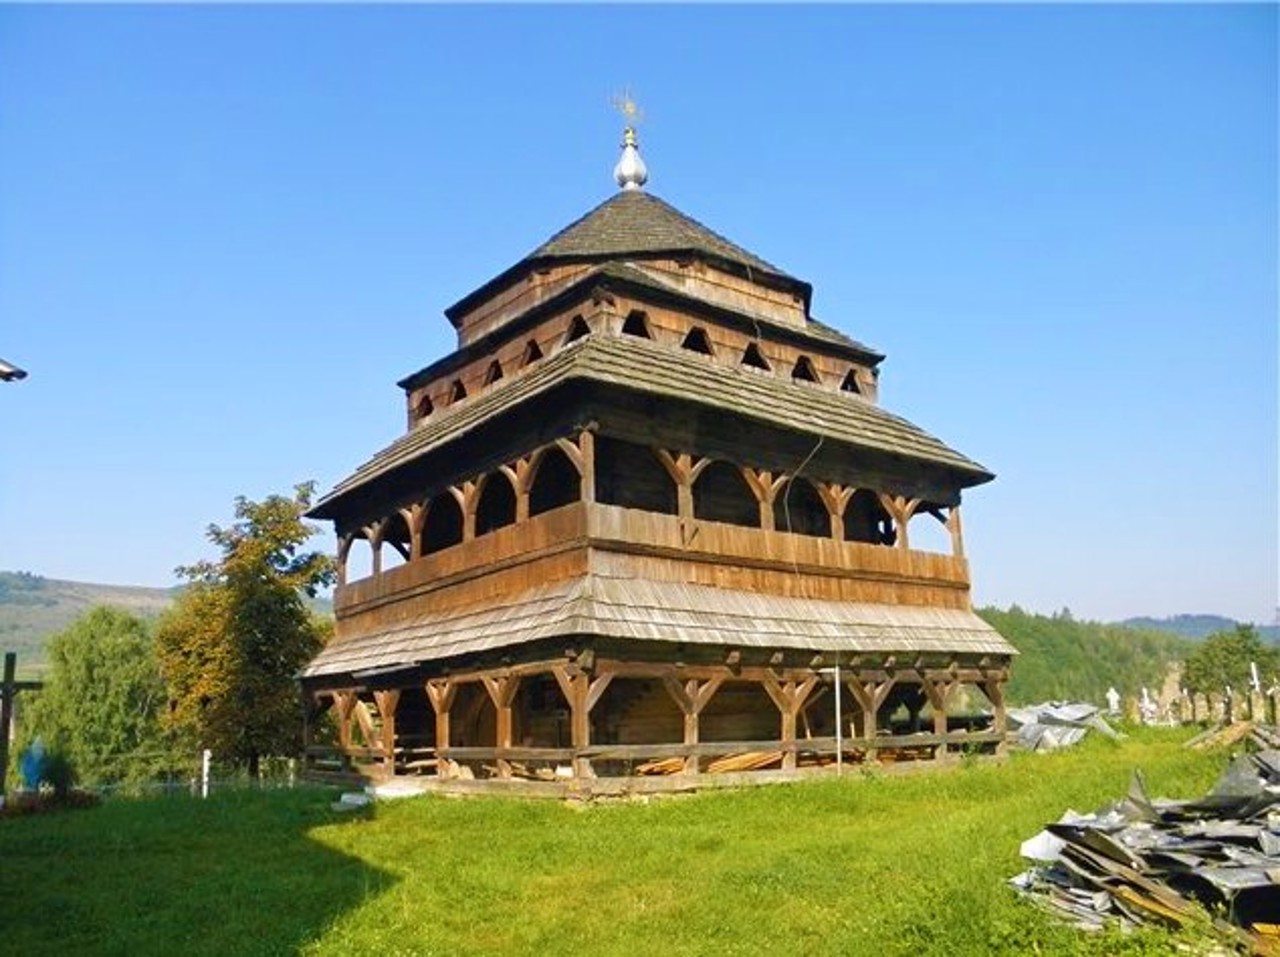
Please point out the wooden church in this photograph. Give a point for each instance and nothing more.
(649, 518)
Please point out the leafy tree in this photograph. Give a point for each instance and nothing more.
(102, 702)
(230, 647)
(1223, 659)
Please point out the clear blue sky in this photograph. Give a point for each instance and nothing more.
(226, 231)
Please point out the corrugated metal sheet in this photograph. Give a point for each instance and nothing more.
(667, 611)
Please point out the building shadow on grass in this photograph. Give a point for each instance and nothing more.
(242, 873)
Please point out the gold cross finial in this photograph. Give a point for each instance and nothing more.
(625, 104)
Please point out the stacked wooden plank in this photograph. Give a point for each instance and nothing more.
(1141, 861)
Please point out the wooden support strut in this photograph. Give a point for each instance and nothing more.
(691, 696)
(387, 702)
(502, 692)
(869, 695)
(441, 692)
(937, 691)
(582, 692)
(789, 697)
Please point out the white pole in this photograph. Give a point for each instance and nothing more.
(839, 725)
(204, 772)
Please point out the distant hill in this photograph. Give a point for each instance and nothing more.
(33, 608)
(1197, 627)
(1061, 658)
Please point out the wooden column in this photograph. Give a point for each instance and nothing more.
(938, 690)
(587, 467)
(387, 702)
(993, 688)
(374, 534)
(441, 692)
(956, 530)
(765, 488)
(900, 509)
(346, 703)
(691, 697)
(581, 692)
(344, 551)
(870, 694)
(466, 496)
(415, 517)
(502, 692)
(684, 471)
(836, 499)
(789, 696)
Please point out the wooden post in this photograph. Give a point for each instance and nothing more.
(587, 467)
(870, 695)
(502, 692)
(582, 692)
(836, 499)
(956, 530)
(789, 697)
(691, 697)
(387, 702)
(441, 693)
(938, 690)
(7, 692)
(684, 472)
(765, 488)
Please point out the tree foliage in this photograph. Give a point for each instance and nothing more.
(230, 647)
(1223, 660)
(103, 699)
(1063, 658)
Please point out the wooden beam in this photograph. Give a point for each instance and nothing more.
(502, 691)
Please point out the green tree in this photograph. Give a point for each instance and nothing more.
(230, 647)
(102, 702)
(1223, 659)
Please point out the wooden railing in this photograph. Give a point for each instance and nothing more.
(616, 529)
(328, 759)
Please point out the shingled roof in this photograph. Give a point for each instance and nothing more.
(646, 610)
(633, 223)
(647, 367)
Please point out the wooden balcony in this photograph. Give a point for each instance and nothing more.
(589, 536)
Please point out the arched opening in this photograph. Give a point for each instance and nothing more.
(496, 506)
(577, 329)
(457, 391)
(850, 383)
(423, 407)
(636, 324)
(493, 373)
(799, 509)
(631, 476)
(395, 542)
(721, 494)
(697, 341)
(753, 357)
(928, 530)
(556, 482)
(443, 527)
(804, 371)
(865, 520)
(532, 353)
(359, 559)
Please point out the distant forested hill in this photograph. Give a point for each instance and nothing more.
(1062, 658)
(1198, 626)
(32, 609)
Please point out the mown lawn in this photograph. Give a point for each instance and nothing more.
(861, 865)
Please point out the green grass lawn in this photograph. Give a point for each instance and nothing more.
(861, 865)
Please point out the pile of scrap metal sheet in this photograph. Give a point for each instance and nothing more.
(1056, 724)
(1148, 861)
